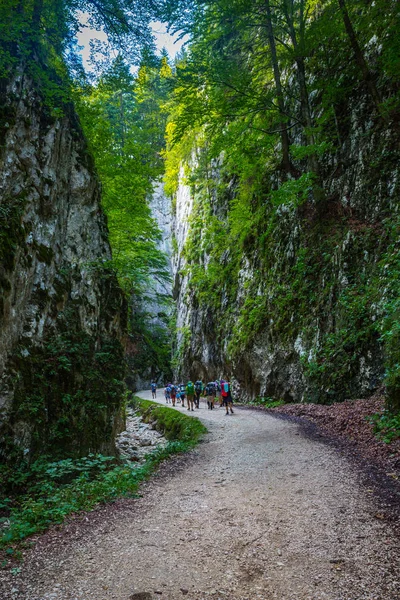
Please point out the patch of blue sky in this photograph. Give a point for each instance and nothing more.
(88, 37)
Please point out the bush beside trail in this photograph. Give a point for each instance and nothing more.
(173, 425)
(36, 496)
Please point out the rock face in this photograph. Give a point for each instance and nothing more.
(161, 210)
(300, 316)
(156, 306)
(62, 313)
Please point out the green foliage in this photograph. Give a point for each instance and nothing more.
(123, 122)
(388, 279)
(123, 119)
(386, 426)
(48, 28)
(173, 425)
(67, 391)
(267, 402)
(44, 492)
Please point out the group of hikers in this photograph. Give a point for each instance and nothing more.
(192, 392)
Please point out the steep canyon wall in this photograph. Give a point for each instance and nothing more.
(149, 358)
(62, 313)
(301, 306)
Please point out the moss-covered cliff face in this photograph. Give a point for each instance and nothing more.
(293, 301)
(62, 313)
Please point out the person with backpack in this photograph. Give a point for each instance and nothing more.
(168, 393)
(183, 391)
(198, 389)
(190, 394)
(210, 393)
(173, 394)
(153, 390)
(218, 391)
(226, 396)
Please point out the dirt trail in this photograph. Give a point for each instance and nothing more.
(257, 512)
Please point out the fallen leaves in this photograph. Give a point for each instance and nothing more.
(348, 421)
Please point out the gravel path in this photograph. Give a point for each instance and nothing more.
(256, 512)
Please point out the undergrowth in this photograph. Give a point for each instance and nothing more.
(266, 402)
(46, 492)
(386, 426)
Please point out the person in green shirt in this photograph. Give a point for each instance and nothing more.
(190, 394)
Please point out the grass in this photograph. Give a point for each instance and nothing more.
(386, 426)
(174, 425)
(54, 490)
(266, 402)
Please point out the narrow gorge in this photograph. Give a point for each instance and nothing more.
(199, 299)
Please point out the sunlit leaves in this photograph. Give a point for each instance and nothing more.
(123, 120)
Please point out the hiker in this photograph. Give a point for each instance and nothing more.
(153, 390)
(198, 388)
(210, 393)
(167, 393)
(173, 394)
(219, 392)
(226, 396)
(183, 390)
(190, 394)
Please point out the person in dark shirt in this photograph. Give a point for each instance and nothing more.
(198, 389)
(227, 399)
(211, 393)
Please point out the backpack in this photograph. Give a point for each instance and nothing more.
(226, 386)
(182, 389)
(168, 390)
(210, 389)
(190, 388)
(153, 386)
(198, 386)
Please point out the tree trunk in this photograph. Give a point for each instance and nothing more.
(122, 120)
(37, 15)
(281, 102)
(313, 163)
(359, 56)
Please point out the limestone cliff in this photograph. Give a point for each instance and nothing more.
(150, 353)
(305, 308)
(62, 313)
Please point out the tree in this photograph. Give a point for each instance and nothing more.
(47, 28)
(123, 121)
(359, 56)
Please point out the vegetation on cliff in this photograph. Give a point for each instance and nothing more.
(285, 115)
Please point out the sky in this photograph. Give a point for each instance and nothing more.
(164, 39)
(161, 37)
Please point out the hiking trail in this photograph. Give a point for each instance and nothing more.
(257, 512)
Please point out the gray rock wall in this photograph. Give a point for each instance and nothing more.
(296, 360)
(55, 283)
(156, 307)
